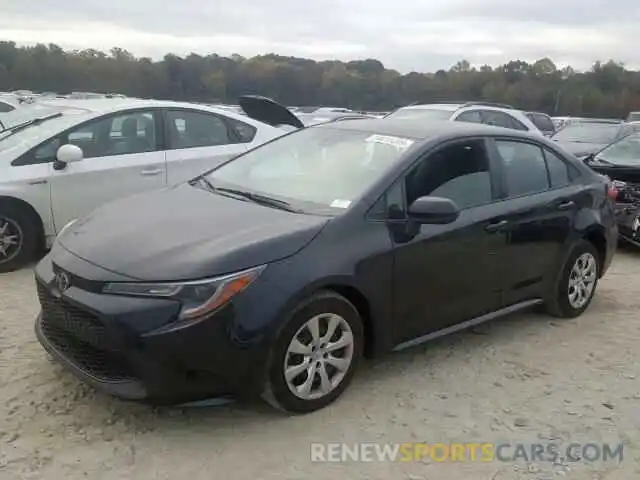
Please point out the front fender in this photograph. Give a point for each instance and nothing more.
(36, 195)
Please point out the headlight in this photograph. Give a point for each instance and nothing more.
(198, 298)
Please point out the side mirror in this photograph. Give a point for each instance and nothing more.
(68, 154)
(433, 210)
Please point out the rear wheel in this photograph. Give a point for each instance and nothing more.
(578, 282)
(314, 357)
(18, 238)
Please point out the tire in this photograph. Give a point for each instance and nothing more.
(15, 220)
(327, 307)
(559, 303)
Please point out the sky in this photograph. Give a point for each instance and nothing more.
(407, 35)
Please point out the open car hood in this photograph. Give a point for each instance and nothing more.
(268, 111)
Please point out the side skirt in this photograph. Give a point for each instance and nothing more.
(469, 323)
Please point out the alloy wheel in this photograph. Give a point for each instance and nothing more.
(319, 356)
(582, 280)
(11, 239)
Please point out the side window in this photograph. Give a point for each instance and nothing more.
(459, 171)
(47, 151)
(127, 133)
(525, 168)
(5, 107)
(544, 123)
(191, 129)
(558, 170)
(245, 132)
(495, 118)
(515, 124)
(43, 153)
(472, 116)
(501, 119)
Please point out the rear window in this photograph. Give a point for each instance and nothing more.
(543, 122)
(245, 132)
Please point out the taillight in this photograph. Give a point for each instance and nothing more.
(612, 191)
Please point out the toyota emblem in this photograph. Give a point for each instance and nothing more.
(63, 281)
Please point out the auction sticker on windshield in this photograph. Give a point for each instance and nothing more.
(398, 142)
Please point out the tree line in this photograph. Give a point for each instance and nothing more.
(608, 89)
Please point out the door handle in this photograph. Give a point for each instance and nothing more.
(566, 205)
(494, 227)
(157, 171)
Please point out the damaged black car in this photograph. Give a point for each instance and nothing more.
(621, 163)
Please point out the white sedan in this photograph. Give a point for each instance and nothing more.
(61, 159)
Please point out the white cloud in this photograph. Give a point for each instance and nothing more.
(408, 35)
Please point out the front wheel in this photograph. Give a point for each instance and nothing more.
(578, 282)
(315, 355)
(18, 238)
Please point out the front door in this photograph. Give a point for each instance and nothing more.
(446, 274)
(121, 158)
(197, 141)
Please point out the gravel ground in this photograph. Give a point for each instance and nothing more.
(523, 379)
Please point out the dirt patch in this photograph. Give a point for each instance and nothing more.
(527, 378)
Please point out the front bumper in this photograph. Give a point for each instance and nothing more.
(628, 220)
(127, 348)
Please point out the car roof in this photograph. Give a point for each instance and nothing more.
(86, 109)
(424, 130)
(434, 106)
(106, 105)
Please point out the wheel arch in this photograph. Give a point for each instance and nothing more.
(596, 236)
(30, 211)
(345, 287)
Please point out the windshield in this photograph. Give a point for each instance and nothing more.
(27, 137)
(316, 168)
(421, 113)
(588, 133)
(623, 152)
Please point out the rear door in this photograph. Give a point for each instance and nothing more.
(542, 206)
(122, 157)
(198, 141)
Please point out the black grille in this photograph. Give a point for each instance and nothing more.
(81, 338)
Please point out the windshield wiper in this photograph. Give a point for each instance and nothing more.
(207, 183)
(258, 198)
(34, 121)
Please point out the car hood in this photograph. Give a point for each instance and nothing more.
(581, 149)
(630, 174)
(268, 111)
(184, 233)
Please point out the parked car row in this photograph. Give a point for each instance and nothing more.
(138, 145)
(185, 239)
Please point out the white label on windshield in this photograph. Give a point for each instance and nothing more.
(341, 203)
(398, 142)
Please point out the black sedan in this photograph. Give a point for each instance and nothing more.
(584, 137)
(273, 274)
